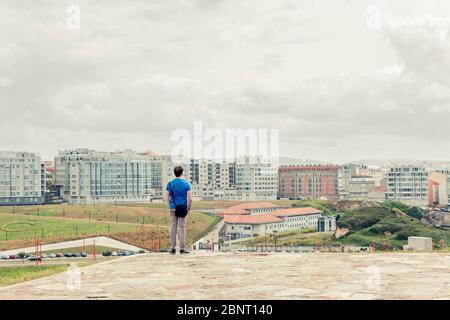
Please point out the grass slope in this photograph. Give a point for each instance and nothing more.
(11, 275)
(379, 225)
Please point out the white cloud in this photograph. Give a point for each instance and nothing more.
(135, 72)
(4, 82)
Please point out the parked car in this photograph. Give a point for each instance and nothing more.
(123, 253)
(76, 255)
(114, 254)
(68, 255)
(59, 255)
(13, 257)
(4, 257)
(34, 258)
(106, 253)
(83, 254)
(52, 255)
(44, 256)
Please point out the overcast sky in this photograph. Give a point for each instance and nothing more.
(342, 79)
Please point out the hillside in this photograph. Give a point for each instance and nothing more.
(380, 225)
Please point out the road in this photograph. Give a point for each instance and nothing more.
(212, 236)
(99, 241)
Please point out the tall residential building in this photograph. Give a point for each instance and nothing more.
(345, 173)
(88, 176)
(308, 181)
(439, 188)
(22, 178)
(255, 179)
(243, 179)
(408, 184)
(360, 187)
(378, 174)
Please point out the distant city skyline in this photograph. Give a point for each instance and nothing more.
(342, 80)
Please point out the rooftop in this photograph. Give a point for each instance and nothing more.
(295, 212)
(252, 219)
(309, 168)
(256, 205)
(245, 208)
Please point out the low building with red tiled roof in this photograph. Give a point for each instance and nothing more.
(285, 212)
(250, 224)
(250, 208)
(257, 205)
(252, 219)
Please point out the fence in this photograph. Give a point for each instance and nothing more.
(89, 212)
(67, 234)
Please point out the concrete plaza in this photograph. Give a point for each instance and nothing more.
(252, 276)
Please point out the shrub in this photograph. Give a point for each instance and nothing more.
(414, 212)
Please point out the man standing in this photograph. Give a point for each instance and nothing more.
(178, 194)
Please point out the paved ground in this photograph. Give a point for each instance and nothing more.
(99, 241)
(252, 276)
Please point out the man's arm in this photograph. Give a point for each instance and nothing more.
(166, 197)
(189, 194)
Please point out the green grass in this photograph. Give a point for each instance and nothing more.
(11, 275)
(105, 212)
(54, 227)
(382, 226)
(327, 207)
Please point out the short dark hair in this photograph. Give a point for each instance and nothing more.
(178, 171)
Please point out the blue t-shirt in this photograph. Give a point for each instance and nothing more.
(180, 188)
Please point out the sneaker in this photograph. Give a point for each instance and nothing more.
(172, 251)
(183, 251)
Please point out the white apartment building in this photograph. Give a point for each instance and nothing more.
(378, 174)
(22, 178)
(345, 173)
(244, 180)
(88, 176)
(255, 180)
(408, 184)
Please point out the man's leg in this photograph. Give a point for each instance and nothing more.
(173, 230)
(182, 232)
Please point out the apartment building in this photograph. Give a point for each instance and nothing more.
(378, 174)
(22, 178)
(308, 182)
(408, 184)
(255, 179)
(439, 188)
(88, 176)
(243, 179)
(360, 187)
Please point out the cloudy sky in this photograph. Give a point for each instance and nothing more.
(342, 79)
